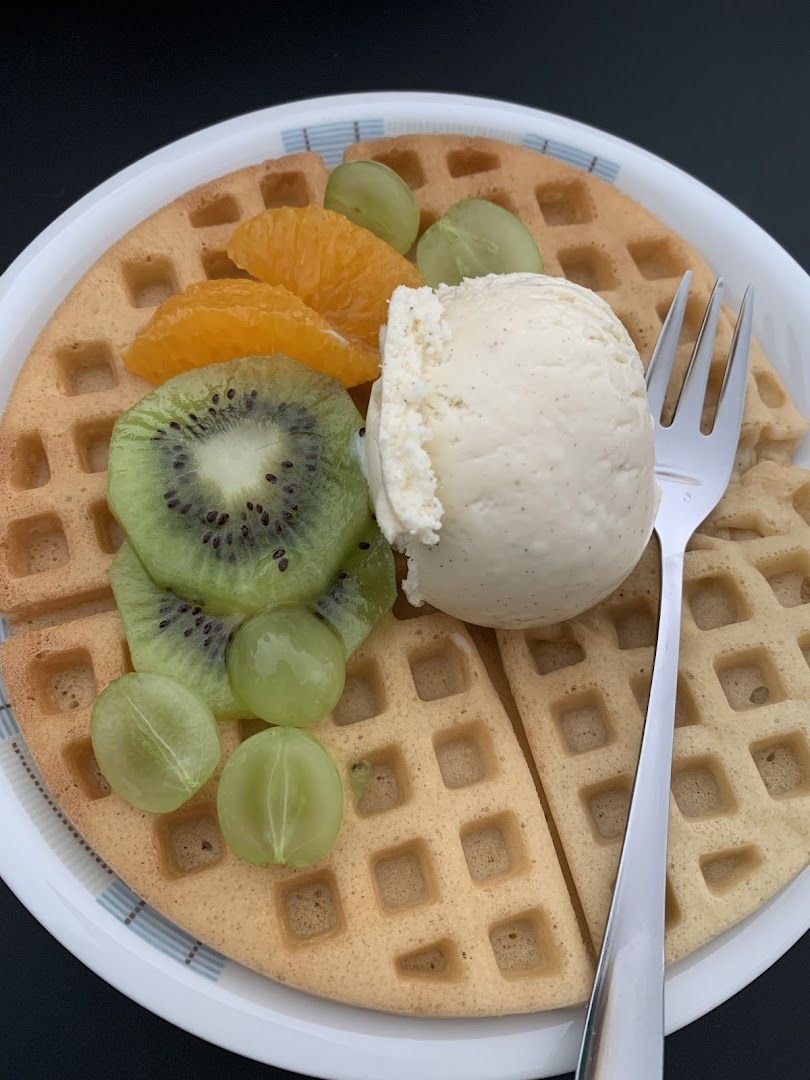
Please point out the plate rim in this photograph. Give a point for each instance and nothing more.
(313, 1047)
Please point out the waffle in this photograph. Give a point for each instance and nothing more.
(472, 877)
(739, 824)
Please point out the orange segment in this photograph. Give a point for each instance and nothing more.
(222, 320)
(342, 270)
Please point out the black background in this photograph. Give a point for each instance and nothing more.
(720, 89)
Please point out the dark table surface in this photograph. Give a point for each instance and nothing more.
(720, 91)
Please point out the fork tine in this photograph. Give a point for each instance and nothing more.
(659, 368)
(693, 392)
(732, 393)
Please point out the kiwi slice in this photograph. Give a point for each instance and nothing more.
(174, 637)
(362, 591)
(236, 483)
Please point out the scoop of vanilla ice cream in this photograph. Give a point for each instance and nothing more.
(509, 448)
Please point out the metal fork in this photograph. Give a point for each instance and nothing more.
(624, 1025)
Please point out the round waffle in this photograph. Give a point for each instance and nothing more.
(473, 876)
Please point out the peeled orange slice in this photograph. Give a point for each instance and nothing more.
(229, 318)
(342, 270)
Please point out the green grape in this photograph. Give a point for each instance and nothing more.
(155, 741)
(280, 799)
(476, 237)
(374, 196)
(287, 666)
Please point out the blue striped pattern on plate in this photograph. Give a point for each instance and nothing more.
(573, 155)
(330, 140)
(8, 725)
(123, 904)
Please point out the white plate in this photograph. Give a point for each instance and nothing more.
(93, 914)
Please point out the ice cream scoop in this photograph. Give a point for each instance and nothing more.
(509, 448)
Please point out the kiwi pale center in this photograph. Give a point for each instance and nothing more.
(239, 475)
(237, 460)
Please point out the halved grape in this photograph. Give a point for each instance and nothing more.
(155, 741)
(287, 666)
(476, 237)
(280, 799)
(374, 196)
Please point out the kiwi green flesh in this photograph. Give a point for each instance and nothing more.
(362, 591)
(174, 637)
(237, 483)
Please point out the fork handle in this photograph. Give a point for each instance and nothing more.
(624, 1026)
